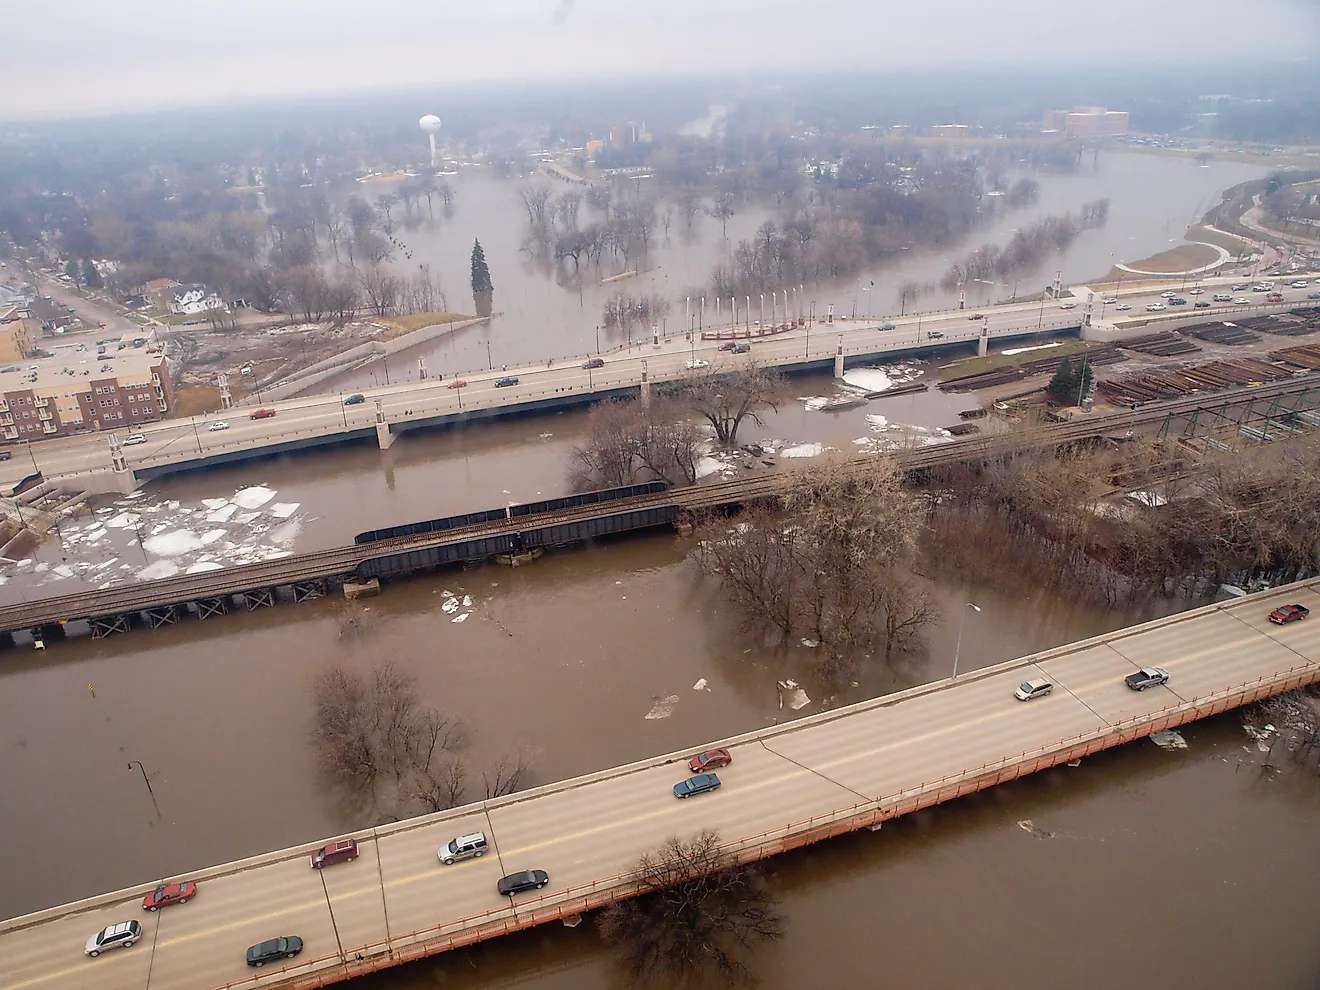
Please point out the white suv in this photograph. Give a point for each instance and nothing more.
(470, 846)
(125, 933)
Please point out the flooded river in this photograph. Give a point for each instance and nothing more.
(542, 315)
(1153, 868)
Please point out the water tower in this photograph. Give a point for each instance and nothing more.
(431, 124)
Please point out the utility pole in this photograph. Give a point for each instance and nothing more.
(333, 924)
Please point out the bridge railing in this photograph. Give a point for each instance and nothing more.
(585, 897)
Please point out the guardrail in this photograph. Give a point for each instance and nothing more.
(576, 900)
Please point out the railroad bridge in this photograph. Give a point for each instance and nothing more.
(412, 547)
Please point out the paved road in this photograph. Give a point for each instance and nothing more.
(176, 440)
(591, 830)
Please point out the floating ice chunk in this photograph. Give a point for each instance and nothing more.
(877, 422)
(215, 503)
(210, 536)
(181, 541)
(700, 685)
(221, 514)
(286, 534)
(282, 510)
(449, 605)
(243, 518)
(254, 498)
(663, 708)
(804, 450)
(812, 403)
(132, 495)
(870, 379)
(157, 570)
(124, 520)
(708, 466)
(1168, 739)
(792, 695)
(63, 570)
(460, 618)
(467, 601)
(202, 566)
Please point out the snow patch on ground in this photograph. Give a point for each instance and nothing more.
(1033, 347)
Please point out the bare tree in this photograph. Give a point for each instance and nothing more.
(598, 197)
(699, 913)
(627, 442)
(381, 288)
(689, 205)
(511, 772)
(726, 398)
(536, 201)
(722, 210)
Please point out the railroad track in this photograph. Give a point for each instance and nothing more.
(321, 564)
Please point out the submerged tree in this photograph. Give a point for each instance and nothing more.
(699, 912)
(726, 398)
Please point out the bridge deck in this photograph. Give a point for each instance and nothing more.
(344, 560)
(787, 786)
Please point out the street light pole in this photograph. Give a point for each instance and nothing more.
(333, 924)
(145, 779)
(197, 435)
(958, 649)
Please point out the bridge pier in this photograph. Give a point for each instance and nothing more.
(162, 615)
(838, 359)
(646, 388)
(384, 437)
(108, 625)
(983, 344)
(259, 598)
(305, 591)
(207, 607)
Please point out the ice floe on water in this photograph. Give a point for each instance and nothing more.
(101, 548)
(887, 436)
(803, 450)
(707, 466)
(883, 377)
(663, 707)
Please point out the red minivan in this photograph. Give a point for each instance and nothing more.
(342, 851)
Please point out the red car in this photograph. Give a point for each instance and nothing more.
(709, 760)
(1289, 613)
(170, 893)
(456, 383)
(262, 414)
(728, 346)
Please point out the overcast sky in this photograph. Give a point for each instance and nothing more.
(77, 57)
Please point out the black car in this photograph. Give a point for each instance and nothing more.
(276, 948)
(516, 883)
(1202, 304)
(506, 381)
(356, 399)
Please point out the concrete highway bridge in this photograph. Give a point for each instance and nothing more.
(788, 786)
(386, 413)
(414, 547)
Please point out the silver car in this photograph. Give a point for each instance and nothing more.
(470, 846)
(125, 933)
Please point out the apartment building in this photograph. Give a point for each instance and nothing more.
(81, 391)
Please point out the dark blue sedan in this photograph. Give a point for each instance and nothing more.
(699, 784)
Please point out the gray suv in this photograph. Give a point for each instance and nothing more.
(470, 846)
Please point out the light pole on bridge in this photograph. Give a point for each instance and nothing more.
(958, 649)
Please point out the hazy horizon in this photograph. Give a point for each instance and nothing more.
(87, 58)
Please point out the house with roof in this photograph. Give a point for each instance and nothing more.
(191, 300)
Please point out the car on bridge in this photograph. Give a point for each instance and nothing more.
(1202, 304)
(887, 326)
(169, 893)
(1067, 305)
(123, 934)
(506, 382)
(470, 846)
(699, 784)
(340, 851)
(134, 440)
(262, 413)
(1122, 307)
(710, 760)
(457, 383)
(1155, 307)
(934, 334)
(1177, 301)
(1037, 687)
(594, 363)
(356, 399)
(1196, 292)
(218, 425)
(728, 345)
(1289, 613)
(741, 348)
(1313, 295)
(285, 947)
(1240, 287)
(1146, 677)
(1167, 295)
(977, 316)
(1241, 301)
(517, 883)
(1299, 284)
(697, 364)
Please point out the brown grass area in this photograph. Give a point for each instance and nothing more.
(415, 321)
(1177, 260)
(193, 400)
(974, 366)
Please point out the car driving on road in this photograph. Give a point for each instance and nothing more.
(1122, 307)
(456, 383)
(356, 399)
(133, 440)
(697, 364)
(1155, 307)
(1289, 613)
(1146, 677)
(506, 381)
(517, 883)
(218, 425)
(1037, 687)
(285, 947)
(262, 414)
(710, 760)
(594, 363)
(470, 846)
(123, 934)
(888, 326)
(699, 784)
(169, 893)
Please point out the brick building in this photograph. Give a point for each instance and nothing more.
(81, 392)
(1087, 121)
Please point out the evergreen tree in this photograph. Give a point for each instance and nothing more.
(480, 273)
(91, 277)
(1061, 385)
(71, 269)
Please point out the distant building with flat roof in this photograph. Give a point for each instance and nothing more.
(1086, 122)
(948, 130)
